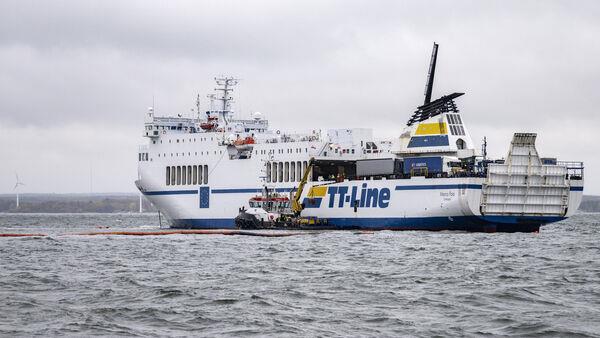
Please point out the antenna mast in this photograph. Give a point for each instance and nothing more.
(224, 85)
(198, 106)
(431, 75)
(484, 148)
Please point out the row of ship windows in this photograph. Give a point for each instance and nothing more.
(187, 175)
(142, 157)
(190, 154)
(285, 171)
(202, 153)
(183, 140)
(281, 151)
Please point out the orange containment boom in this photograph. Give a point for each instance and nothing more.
(169, 232)
(22, 235)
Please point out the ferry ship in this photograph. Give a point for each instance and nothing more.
(200, 171)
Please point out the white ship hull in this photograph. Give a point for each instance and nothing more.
(413, 204)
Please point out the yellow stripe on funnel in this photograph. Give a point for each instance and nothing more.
(432, 129)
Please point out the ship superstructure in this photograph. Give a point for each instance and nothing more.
(200, 171)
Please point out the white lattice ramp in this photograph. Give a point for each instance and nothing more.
(523, 185)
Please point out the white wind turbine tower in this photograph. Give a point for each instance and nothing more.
(17, 184)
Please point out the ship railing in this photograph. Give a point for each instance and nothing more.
(574, 169)
(289, 138)
(174, 119)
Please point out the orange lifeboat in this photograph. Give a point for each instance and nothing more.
(244, 141)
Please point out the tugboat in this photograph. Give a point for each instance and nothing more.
(274, 210)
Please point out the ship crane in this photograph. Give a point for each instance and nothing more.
(296, 205)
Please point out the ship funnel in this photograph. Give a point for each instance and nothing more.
(431, 75)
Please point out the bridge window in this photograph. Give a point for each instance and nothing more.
(173, 176)
(189, 175)
(268, 172)
(183, 175)
(194, 174)
(205, 174)
(299, 171)
(178, 175)
(168, 176)
(274, 172)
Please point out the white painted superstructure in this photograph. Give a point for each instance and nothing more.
(200, 171)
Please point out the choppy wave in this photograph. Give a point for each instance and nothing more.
(329, 284)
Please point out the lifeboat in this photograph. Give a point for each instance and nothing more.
(244, 141)
(210, 124)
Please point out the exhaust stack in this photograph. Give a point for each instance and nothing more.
(431, 75)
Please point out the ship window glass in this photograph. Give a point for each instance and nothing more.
(195, 174)
(304, 166)
(299, 171)
(189, 175)
(462, 130)
(459, 121)
(168, 175)
(140, 157)
(287, 172)
(200, 174)
(173, 175)
(183, 175)
(268, 172)
(178, 175)
(205, 174)
(293, 172)
(280, 172)
(274, 172)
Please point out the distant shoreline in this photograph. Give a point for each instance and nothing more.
(74, 203)
(126, 203)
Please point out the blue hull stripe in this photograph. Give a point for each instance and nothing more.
(398, 187)
(461, 223)
(172, 192)
(250, 191)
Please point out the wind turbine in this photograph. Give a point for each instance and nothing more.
(17, 184)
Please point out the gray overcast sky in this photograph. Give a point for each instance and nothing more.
(76, 77)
